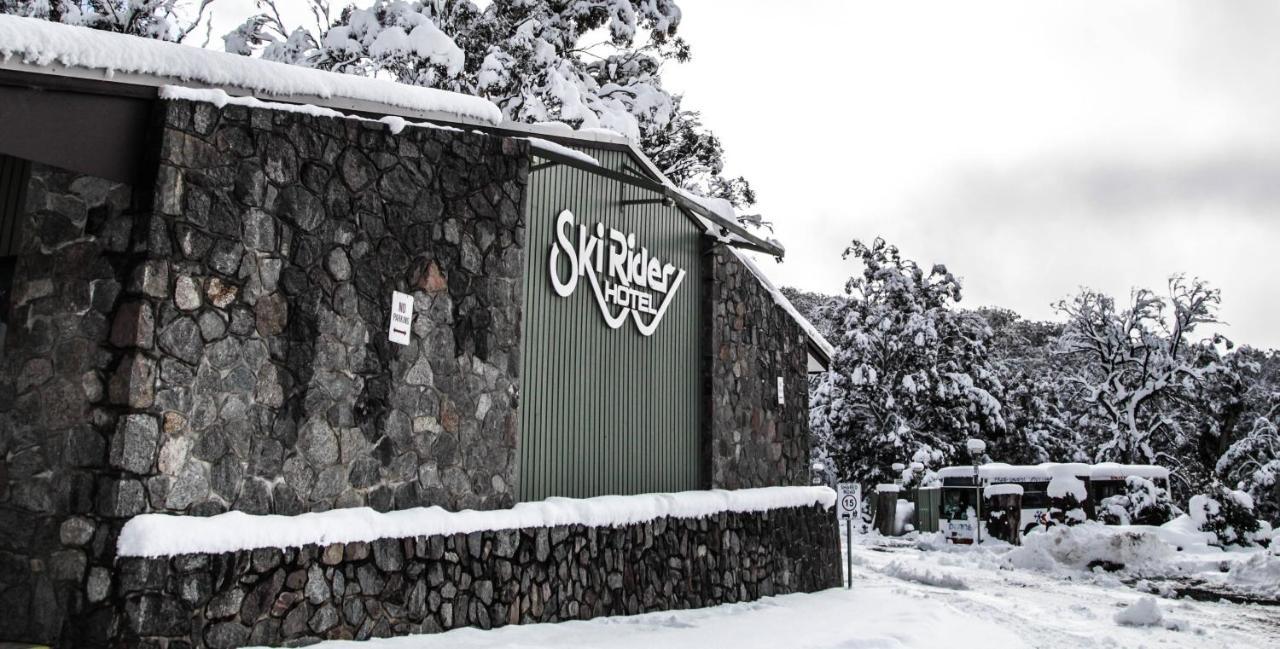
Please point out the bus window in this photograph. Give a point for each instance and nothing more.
(956, 502)
(1035, 500)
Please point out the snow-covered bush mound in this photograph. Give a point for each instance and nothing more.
(1146, 612)
(1228, 514)
(1090, 544)
(1259, 576)
(1143, 503)
(924, 575)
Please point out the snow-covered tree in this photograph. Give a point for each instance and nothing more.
(1130, 362)
(910, 380)
(1229, 515)
(1038, 410)
(586, 63)
(1252, 463)
(1142, 503)
(169, 20)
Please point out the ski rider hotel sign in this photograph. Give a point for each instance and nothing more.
(626, 280)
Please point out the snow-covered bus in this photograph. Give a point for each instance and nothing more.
(958, 512)
(1109, 478)
(1087, 483)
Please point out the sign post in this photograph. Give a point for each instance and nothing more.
(848, 505)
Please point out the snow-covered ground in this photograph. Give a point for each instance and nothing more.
(917, 593)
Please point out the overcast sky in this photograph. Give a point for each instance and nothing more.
(1033, 147)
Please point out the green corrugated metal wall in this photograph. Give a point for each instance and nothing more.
(607, 411)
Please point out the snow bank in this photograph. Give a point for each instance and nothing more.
(154, 535)
(1259, 576)
(44, 43)
(924, 575)
(1090, 543)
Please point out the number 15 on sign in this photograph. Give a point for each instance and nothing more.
(848, 506)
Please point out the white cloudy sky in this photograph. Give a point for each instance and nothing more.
(1032, 146)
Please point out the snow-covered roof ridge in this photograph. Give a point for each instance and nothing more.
(781, 300)
(156, 535)
(46, 44)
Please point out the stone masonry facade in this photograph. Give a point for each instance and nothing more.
(217, 340)
(214, 338)
(753, 441)
(484, 579)
(79, 238)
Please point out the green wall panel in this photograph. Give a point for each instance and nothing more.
(608, 411)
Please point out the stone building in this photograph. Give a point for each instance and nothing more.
(348, 293)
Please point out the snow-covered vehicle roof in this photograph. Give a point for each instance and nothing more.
(997, 471)
(1116, 471)
(1002, 489)
(1077, 469)
(1049, 470)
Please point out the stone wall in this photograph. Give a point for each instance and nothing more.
(262, 379)
(483, 579)
(58, 405)
(753, 441)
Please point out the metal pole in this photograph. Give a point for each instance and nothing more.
(977, 487)
(848, 548)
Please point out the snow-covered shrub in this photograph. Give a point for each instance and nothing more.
(1143, 503)
(1067, 494)
(1228, 514)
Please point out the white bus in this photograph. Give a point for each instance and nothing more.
(957, 513)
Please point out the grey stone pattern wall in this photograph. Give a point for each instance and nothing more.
(59, 403)
(262, 377)
(484, 579)
(753, 441)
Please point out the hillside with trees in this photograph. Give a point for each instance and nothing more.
(1139, 379)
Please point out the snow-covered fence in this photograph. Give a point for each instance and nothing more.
(223, 581)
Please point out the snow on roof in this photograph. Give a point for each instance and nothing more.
(1047, 470)
(1077, 469)
(156, 535)
(782, 301)
(1116, 471)
(552, 147)
(996, 471)
(1003, 489)
(44, 43)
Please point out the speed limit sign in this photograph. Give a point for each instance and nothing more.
(848, 500)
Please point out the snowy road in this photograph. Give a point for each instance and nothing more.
(902, 598)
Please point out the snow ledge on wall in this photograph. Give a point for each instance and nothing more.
(157, 535)
(44, 43)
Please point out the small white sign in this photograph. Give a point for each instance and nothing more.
(848, 500)
(781, 400)
(401, 318)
